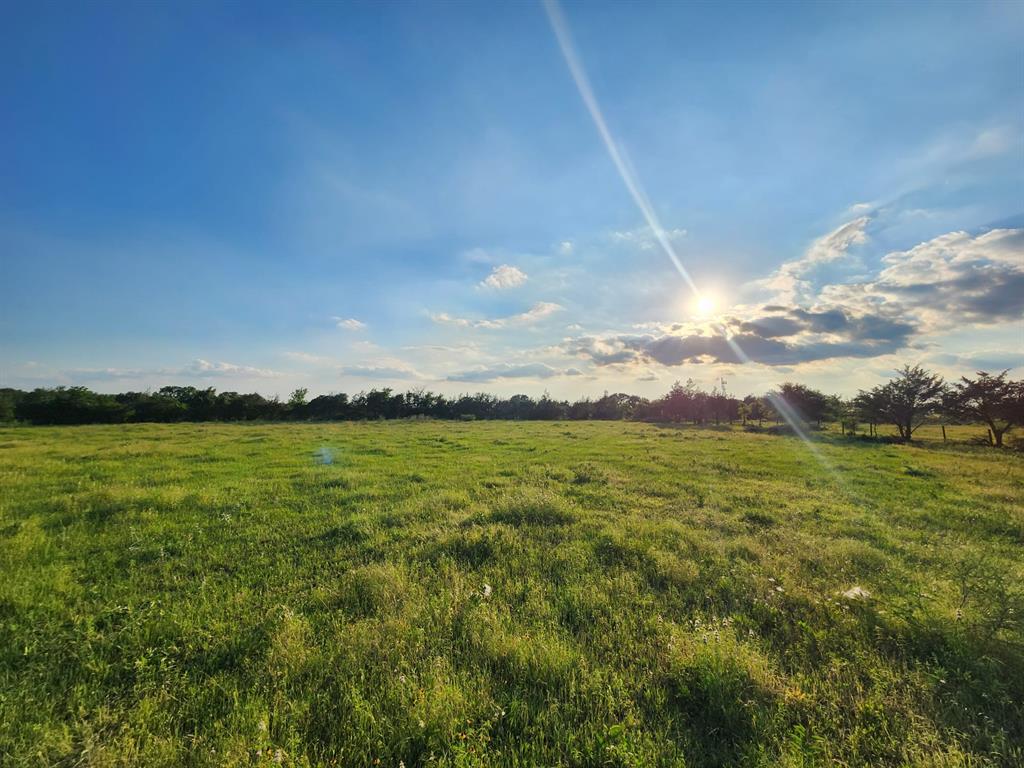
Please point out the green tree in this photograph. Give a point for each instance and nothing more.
(994, 400)
(908, 400)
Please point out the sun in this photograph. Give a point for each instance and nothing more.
(705, 305)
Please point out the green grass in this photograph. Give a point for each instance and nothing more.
(212, 595)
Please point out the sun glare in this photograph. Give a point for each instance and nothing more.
(705, 305)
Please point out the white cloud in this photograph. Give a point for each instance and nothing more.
(537, 312)
(945, 282)
(644, 237)
(349, 324)
(384, 368)
(200, 367)
(508, 371)
(786, 285)
(566, 247)
(504, 276)
(994, 141)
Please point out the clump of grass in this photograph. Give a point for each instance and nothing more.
(540, 508)
(373, 590)
(758, 519)
(588, 472)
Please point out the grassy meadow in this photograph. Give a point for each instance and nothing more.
(507, 594)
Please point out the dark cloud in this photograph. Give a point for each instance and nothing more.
(675, 350)
(799, 336)
(772, 326)
(827, 321)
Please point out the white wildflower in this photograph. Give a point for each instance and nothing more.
(856, 593)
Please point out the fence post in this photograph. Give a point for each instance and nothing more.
(943, 433)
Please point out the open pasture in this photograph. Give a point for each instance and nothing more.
(501, 593)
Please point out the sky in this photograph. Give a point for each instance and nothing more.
(512, 197)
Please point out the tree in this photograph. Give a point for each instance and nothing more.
(298, 398)
(9, 399)
(809, 404)
(757, 410)
(847, 412)
(869, 408)
(995, 400)
(907, 400)
(70, 405)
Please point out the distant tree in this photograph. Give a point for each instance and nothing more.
(846, 412)
(582, 409)
(718, 402)
(684, 402)
(149, 406)
(743, 410)
(908, 400)
(200, 404)
(329, 407)
(756, 409)
(992, 399)
(613, 406)
(549, 409)
(516, 407)
(298, 397)
(9, 399)
(478, 406)
(809, 404)
(70, 405)
(869, 407)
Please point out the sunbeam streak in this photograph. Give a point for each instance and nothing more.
(636, 191)
(629, 178)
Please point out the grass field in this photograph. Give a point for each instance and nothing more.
(464, 594)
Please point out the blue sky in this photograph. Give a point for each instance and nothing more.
(337, 196)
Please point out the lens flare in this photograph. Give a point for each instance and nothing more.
(706, 305)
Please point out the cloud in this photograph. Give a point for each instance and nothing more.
(503, 277)
(349, 324)
(383, 369)
(983, 360)
(994, 141)
(644, 237)
(198, 368)
(949, 282)
(864, 336)
(508, 371)
(537, 312)
(566, 248)
(946, 282)
(786, 285)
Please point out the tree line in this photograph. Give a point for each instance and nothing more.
(913, 397)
